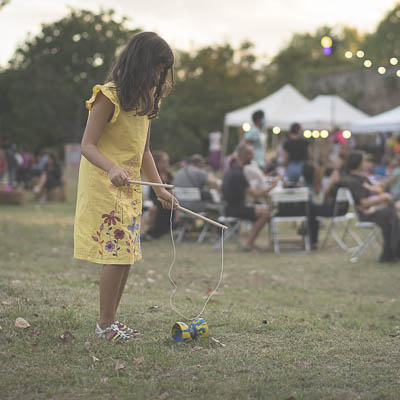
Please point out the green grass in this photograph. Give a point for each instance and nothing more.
(327, 334)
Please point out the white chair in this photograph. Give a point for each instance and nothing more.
(186, 194)
(336, 221)
(370, 239)
(296, 199)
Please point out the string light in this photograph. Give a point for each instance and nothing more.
(307, 133)
(315, 134)
(246, 127)
(346, 134)
(326, 44)
(276, 130)
(324, 133)
(368, 63)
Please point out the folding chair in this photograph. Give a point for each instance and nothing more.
(343, 195)
(290, 205)
(370, 239)
(185, 220)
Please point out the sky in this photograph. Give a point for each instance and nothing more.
(187, 24)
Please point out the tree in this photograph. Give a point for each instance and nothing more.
(3, 3)
(209, 83)
(51, 74)
(384, 43)
(303, 57)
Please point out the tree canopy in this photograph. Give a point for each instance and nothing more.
(50, 75)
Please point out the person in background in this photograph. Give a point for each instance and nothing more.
(10, 149)
(193, 175)
(375, 205)
(327, 207)
(3, 163)
(24, 170)
(254, 137)
(159, 218)
(50, 185)
(235, 187)
(296, 154)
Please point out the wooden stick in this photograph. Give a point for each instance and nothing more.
(151, 184)
(210, 221)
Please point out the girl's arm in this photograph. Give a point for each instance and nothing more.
(101, 113)
(150, 170)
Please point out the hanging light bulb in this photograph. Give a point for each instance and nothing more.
(324, 134)
(367, 63)
(394, 61)
(360, 54)
(276, 130)
(381, 70)
(307, 133)
(348, 54)
(246, 127)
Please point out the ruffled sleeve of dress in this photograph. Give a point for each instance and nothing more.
(110, 93)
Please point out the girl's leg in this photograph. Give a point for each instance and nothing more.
(124, 278)
(110, 282)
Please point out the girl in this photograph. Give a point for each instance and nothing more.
(115, 148)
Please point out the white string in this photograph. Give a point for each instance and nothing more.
(174, 284)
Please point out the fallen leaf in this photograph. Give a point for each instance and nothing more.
(224, 311)
(164, 395)
(66, 336)
(16, 282)
(135, 334)
(87, 344)
(119, 366)
(150, 280)
(104, 379)
(6, 303)
(395, 334)
(154, 308)
(138, 361)
(37, 332)
(197, 348)
(94, 358)
(54, 250)
(218, 342)
(21, 323)
(151, 272)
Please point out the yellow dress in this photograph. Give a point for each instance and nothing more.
(107, 218)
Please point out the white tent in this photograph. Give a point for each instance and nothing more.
(388, 121)
(276, 108)
(327, 112)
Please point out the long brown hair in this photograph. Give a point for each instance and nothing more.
(140, 74)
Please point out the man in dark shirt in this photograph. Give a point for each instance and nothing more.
(374, 205)
(297, 153)
(234, 189)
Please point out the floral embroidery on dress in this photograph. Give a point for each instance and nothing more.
(110, 240)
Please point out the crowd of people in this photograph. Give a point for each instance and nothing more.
(20, 169)
(248, 178)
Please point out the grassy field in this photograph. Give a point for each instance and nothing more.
(330, 332)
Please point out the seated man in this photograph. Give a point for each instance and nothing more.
(235, 187)
(374, 205)
(194, 175)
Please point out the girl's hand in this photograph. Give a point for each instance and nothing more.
(166, 199)
(118, 176)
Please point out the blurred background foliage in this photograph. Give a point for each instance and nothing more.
(50, 75)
